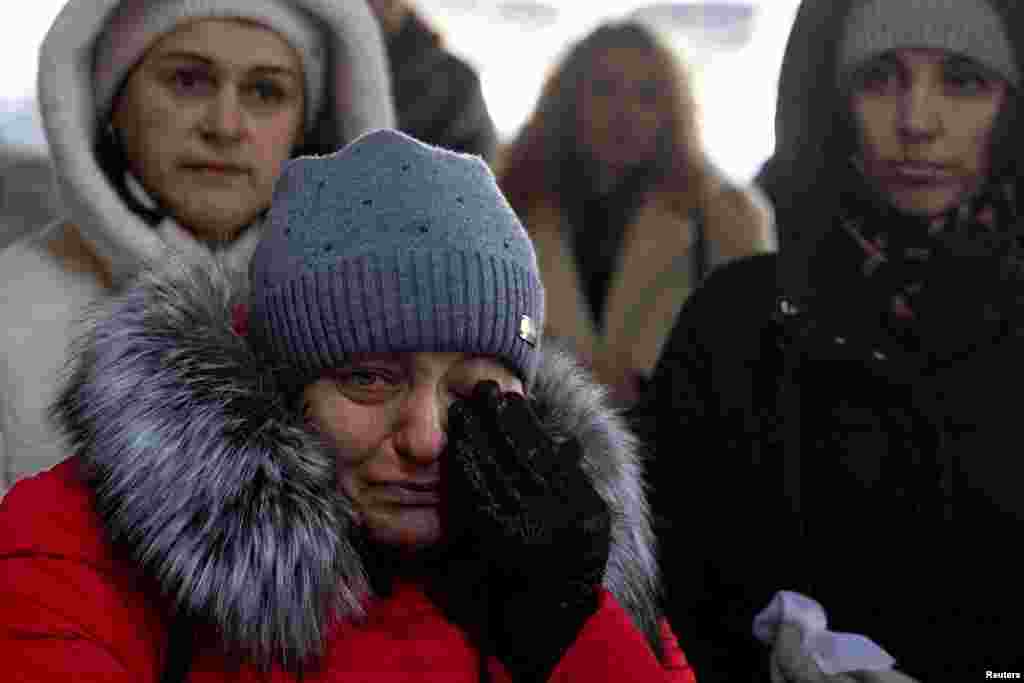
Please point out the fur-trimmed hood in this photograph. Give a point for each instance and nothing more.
(358, 99)
(205, 475)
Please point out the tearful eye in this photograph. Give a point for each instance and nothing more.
(366, 384)
(359, 377)
(362, 379)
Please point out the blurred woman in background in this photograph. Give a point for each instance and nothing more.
(332, 481)
(627, 213)
(170, 137)
(850, 393)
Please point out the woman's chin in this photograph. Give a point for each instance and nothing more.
(213, 223)
(406, 527)
(927, 202)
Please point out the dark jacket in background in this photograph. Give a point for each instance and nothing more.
(437, 95)
(799, 444)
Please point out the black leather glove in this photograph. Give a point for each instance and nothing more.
(528, 536)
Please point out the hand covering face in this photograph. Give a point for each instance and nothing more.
(528, 536)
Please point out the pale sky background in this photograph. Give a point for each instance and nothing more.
(736, 88)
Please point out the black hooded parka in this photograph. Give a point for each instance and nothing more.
(804, 440)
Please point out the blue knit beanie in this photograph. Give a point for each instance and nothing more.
(392, 245)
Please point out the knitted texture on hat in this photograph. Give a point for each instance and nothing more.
(138, 24)
(392, 245)
(972, 28)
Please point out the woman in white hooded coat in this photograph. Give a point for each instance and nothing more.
(168, 122)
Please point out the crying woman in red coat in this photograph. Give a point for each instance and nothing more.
(359, 465)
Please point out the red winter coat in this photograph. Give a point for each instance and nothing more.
(73, 609)
(194, 487)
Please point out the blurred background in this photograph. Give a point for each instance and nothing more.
(734, 49)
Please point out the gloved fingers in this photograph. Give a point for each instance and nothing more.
(518, 435)
(534, 451)
(543, 462)
(469, 468)
(520, 425)
(475, 433)
(794, 663)
(485, 398)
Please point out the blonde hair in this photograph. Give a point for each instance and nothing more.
(534, 163)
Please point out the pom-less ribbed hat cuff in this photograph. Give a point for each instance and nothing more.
(403, 301)
(971, 28)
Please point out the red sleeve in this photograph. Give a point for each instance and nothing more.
(54, 626)
(69, 611)
(675, 660)
(611, 648)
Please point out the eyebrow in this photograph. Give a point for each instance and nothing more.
(961, 61)
(884, 59)
(268, 69)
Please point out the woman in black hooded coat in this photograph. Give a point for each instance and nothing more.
(853, 396)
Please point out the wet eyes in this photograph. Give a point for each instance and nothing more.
(363, 378)
(379, 383)
(367, 386)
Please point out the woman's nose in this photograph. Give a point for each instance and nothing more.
(920, 114)
(224, 117)
(420, 431)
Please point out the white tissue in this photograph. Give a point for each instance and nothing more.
(833, 652)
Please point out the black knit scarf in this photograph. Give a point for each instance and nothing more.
(919, 278)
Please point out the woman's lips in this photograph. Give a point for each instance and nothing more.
(413, 494)
(921, 173)
(213, 168)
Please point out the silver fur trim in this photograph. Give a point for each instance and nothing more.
(572, 405)
(205, 475)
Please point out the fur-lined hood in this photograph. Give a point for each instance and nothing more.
(358, 99)
(205, 475)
